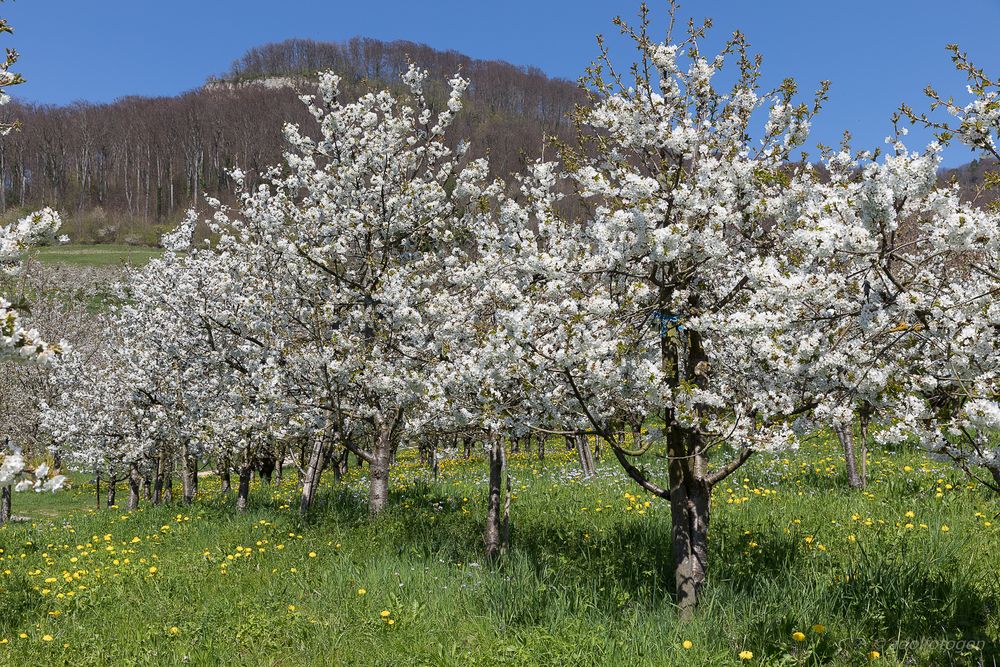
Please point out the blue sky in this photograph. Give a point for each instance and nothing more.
(877, 53)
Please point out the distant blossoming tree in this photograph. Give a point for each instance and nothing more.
(956, 408)
(15, 338)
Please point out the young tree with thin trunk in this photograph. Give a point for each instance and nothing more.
(349, 250)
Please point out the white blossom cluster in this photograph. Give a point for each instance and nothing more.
(15, 239)
(18, 340)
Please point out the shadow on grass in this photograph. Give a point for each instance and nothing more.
(913, 602)
(555, 568)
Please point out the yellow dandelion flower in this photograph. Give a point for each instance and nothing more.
(746, 655)
(798, 636)
(687, 644)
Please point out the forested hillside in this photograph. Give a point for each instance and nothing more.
(973, 179)
(126, 171)
(123, 171)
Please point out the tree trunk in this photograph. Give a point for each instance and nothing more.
(994, 470)
(378, 490)
(586, 457)
(168, 483)
(112, 491)
(243, 492)
(225, 476)
(194, 477)
(340, 464)
(147, 487)
(846, 436)
(134, 486)
(495, 538)
(863, 458)
(279, 465)
(161, 472)
(266, 468)
(690, 496)
(311, 476)
(5, 504)
(189, 475)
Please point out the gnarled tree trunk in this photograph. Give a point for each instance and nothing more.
(266, 468)
(340, 464)
(496, 537)
(243, 490)
(134, 488)
(690, 497)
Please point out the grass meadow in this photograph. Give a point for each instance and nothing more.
(803, 572)
(105, 255)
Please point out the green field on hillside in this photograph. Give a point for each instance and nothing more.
(803, 572)
(96, 255)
